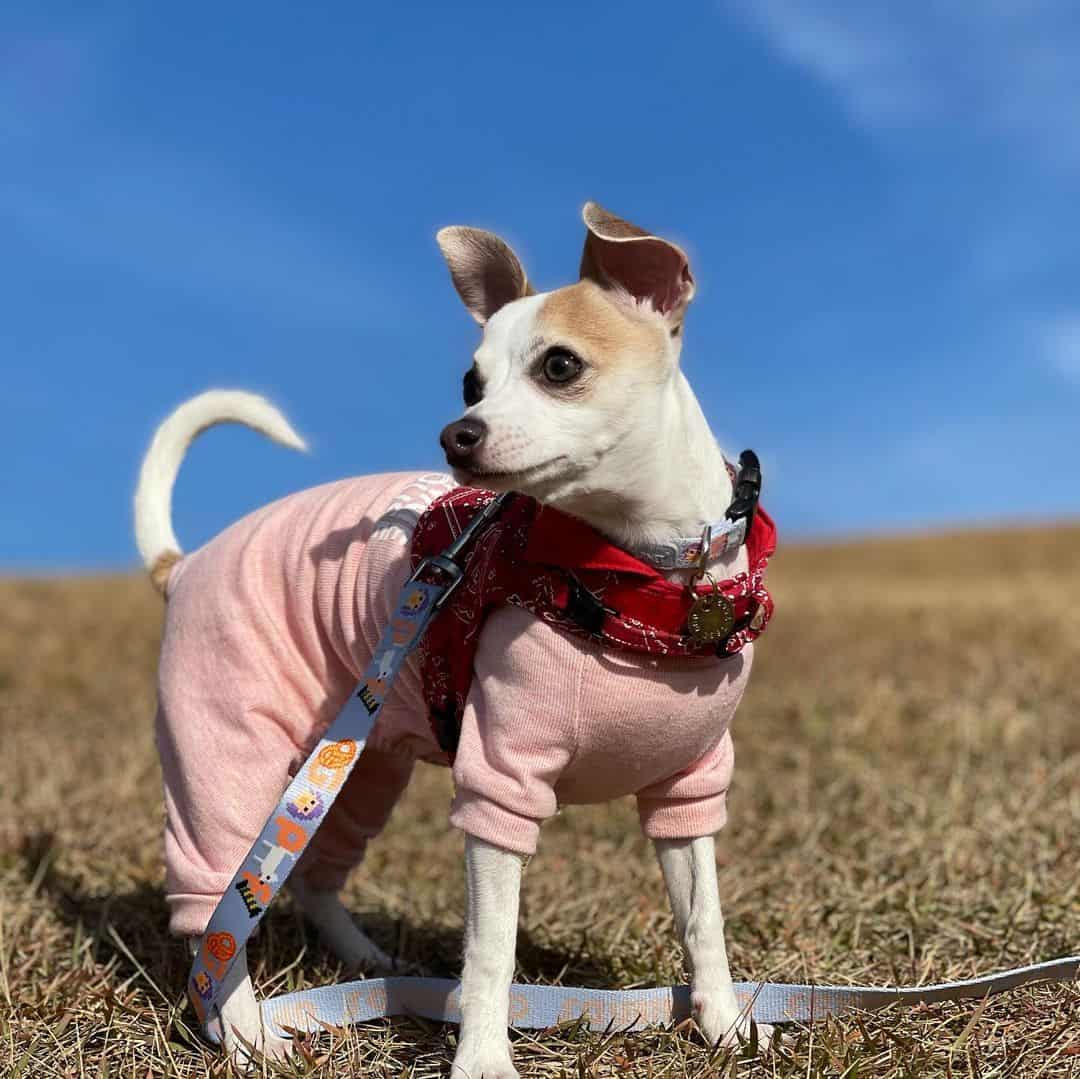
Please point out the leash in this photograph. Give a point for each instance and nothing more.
(304, 806)
(537, 1007)
(311, 792)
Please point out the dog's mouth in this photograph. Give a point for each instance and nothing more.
(517, 480)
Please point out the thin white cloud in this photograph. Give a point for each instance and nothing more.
(996, 75)
(986, 68)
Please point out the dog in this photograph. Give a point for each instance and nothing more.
(575, 397)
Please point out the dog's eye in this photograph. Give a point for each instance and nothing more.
(473, 388)
(561, 365)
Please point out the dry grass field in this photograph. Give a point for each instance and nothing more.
(906, 809)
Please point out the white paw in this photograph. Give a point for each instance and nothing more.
(724, 1024)
(487, 1061)
(246, 1052)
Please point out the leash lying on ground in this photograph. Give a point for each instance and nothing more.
(534, 1007)
(308, 799)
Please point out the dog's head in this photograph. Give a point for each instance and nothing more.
(565, 397)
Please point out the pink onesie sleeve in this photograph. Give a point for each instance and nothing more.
(693, 802)
(516, 738)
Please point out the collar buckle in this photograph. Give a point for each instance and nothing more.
(747, 489)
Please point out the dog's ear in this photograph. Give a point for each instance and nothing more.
(625, 257)
(486, 272)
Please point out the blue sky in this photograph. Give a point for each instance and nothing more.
(880, 203)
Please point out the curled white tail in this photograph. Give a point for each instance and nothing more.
(154, 534)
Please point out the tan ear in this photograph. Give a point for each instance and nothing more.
(486, 272)
(621, 255)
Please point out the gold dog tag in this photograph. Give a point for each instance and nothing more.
(711, 618)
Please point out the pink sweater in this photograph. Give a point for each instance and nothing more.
(268, 628)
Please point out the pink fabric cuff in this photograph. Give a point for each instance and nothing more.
(683, 818)
(189, 912)
(479, 817)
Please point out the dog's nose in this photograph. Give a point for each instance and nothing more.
(460, 440)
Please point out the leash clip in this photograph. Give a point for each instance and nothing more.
(446, 563)
(446, 568)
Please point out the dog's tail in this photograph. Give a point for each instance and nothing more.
(154, 534)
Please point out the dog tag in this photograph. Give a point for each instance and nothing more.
(711, 617)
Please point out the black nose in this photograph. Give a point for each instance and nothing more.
(460, 440)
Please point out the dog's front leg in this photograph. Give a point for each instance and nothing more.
(689, 867)
(239, 1027)
(493, 883)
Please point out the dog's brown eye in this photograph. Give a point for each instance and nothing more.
(473, 388)
(561, 365)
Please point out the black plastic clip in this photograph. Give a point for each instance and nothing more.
(584, 608)
(747, 489)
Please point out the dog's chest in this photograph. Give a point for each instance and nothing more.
(600, 723)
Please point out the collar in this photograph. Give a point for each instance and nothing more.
(718, 537)
(551, 538)
(685, 552)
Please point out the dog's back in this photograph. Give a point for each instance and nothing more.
(267, 629)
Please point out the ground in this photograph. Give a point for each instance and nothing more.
(906, 809)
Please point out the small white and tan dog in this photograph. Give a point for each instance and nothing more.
(575, 397)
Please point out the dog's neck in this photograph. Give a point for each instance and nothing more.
(678, 487)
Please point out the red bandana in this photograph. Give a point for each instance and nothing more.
(563, 571)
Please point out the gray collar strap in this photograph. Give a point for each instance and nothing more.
(686, 552)
(719, 537)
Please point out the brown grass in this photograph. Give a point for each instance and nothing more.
(906, 809)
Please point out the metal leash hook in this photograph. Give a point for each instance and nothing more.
(446, 562)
